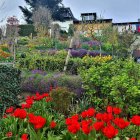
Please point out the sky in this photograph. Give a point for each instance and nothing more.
(118, 10)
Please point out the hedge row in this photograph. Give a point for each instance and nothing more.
(9, 86)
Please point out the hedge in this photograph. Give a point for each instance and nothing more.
(9, 87)
(26, 30)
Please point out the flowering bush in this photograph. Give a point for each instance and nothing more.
(97, 59)
(83, 52)
(37, 120)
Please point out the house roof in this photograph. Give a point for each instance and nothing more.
(67, 13)
(88, 14)
(126, 23)
(94, 21)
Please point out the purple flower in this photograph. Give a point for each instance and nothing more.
(79, 53)
(38, 72)
(93, 43)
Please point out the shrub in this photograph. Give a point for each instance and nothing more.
(23, 41)
(60, 45)
(116, 83)
(72, 82)
(83, 52)
(37, 61)
(37, 81)
(55, 61)
(9, 86)
(40, 81)
(26, 30)
(62, 98)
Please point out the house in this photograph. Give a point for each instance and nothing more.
(90, 24)
(68, 18)
(133, 27)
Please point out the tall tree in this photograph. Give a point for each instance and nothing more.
(53, 5)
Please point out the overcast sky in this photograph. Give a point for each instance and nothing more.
(118, 10)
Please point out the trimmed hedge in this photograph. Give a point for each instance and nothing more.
(9, 87)
(26, 30)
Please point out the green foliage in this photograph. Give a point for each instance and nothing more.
(55, 61)
(60, 45)
(26, 30)
(71, 30)
(85, 46)
(44, 61)
(23, 41)
(63, 34)
(72, 82)
(9, 86)
(37, 61)
(116, 83)
(62, 98)
(44, 42)
(84, 39)
(6, 60)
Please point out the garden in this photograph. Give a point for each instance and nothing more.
(68, 87)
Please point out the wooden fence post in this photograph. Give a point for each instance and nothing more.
(68, 55)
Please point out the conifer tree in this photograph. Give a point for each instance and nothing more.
(53, 5)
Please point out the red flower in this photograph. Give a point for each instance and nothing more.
(109, 109)
(20, 113)
(4, 116)
(132, 139)
(74, 128)
(86, 126)
(107, 117)
(23, 106)
(110, 132)
(73, 125)
(117, 110)
(29, 100)
(136, 120)
(84, 114)
(48, 99)
(24, 137)
(98, 125)
(88, 113)
(38, 97)
(37, 121)
(9, 134)
(10, 109)
(46, 94)
(99, 116)
(72, 120)
(121, 123)
(52, 124)
(75, 117)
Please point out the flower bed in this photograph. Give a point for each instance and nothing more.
(38, 119)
